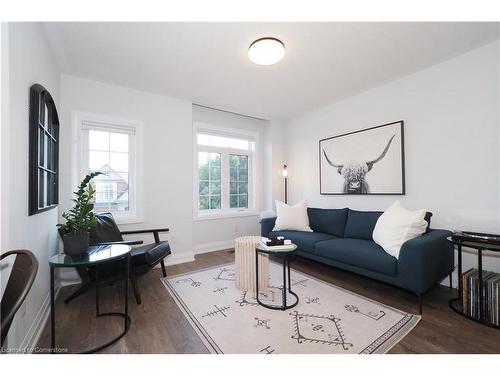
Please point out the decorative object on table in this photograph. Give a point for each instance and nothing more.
(273, 241)
(278, 243)
(80, 219)
(284, 174)
(478, 290)
(292, 217)
(21, 278)
(244, 256)
(286, 285)
(43, 151)
(94, 257)
(398, 225)
(368, 161)
(350, 323)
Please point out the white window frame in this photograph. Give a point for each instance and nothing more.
(82, 121)
(225, 211)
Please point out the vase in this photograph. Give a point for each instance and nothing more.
(76, 244)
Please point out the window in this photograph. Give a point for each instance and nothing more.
(110, 149)
(44, 151)
(238, 181)
(209, 169)
(224, 172)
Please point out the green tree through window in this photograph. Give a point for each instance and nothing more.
(238, 181)
(209, 174)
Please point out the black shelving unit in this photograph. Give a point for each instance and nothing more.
(457, 303)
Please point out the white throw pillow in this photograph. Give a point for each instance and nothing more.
(292, 217)
(398, 225)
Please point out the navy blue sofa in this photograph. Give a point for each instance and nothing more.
(343, 238)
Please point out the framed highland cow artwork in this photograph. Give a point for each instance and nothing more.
(368, 161)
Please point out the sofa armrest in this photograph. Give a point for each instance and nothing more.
(266, 226)
(426, 260)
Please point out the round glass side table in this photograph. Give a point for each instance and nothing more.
(287, 284)
(94, 257)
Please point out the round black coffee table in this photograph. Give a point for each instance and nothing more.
(94, 257)
(286, 253)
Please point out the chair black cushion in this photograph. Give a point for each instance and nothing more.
(150, 254)
(106, 229)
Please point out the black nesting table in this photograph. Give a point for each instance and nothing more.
(286, 253)
(456, 303)
(94, 257)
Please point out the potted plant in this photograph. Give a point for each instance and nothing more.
(80, 219)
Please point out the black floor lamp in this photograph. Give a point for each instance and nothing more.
(284, 174)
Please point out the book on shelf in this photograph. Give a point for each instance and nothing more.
(471, 296)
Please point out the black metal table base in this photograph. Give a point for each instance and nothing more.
(126, 318)
(455, 306)
(285, 290)
(113, 340)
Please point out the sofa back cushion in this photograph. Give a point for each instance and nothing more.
(326, 220)
(360, 224)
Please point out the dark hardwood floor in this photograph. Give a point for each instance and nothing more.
(158, 326)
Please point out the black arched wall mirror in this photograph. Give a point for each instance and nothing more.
(43, 151)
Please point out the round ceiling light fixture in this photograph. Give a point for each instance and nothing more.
(266, 51)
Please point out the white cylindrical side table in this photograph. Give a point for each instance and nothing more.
(244, 254)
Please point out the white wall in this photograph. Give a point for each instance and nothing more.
(451, 141)
(219, 233)
(275, 158)
(30, 62)
(167, 153)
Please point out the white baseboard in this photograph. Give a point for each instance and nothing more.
(35, 331)
(179, 258)
(213, 246)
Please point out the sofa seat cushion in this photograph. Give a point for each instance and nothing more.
(360, 253)
(149, 254)
(305, 241)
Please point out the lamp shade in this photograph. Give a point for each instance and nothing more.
(284, 172)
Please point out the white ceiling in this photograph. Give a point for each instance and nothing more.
(207, 63)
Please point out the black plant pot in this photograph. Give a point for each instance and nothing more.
(76, 244)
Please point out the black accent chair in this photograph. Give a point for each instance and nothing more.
(21, 279)
(143, 258)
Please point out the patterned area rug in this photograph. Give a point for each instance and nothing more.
(327, 319)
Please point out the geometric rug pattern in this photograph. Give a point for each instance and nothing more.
(327, 319)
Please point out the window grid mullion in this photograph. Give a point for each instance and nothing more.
(225, 181)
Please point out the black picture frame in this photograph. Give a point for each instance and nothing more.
(401, 135)
(43, 151)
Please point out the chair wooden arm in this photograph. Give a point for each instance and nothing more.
(154, 231)
(138, 242)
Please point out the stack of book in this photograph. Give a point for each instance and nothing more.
(491, 295)
(276, 244)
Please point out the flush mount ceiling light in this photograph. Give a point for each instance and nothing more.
(266, 51)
